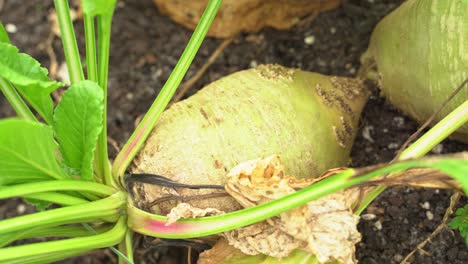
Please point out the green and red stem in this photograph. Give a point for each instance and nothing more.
(155, 225)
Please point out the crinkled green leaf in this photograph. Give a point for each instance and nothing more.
(77, 124)
(3, 35)
(460, 222)
(98, 7)
(27, 151)
(29, 78)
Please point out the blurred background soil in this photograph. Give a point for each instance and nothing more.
(146, 46)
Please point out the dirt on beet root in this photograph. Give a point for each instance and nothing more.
(146, 46)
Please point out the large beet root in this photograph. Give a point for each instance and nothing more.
(308, 119)
(421, 52)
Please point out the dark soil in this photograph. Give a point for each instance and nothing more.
(145, 48)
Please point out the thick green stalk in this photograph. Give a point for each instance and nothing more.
(424, 144)
(15, 100)
(143, 130)
(56, 198)
(104, 36)
(126, 247)
(90, 44)
(54, 231)
(54, 185)
(109, 207)
(107, 239)
(155, 225)
(46, 258)
(70, 46)
(100, 159)
(457, 118)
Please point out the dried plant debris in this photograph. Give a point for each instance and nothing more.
(185, 210)
(325, 227)
(255, 14)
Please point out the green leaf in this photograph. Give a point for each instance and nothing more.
(30, 79)
(40, 205)
(77, 125)
(27, 150)
(460, 222)
(98, 7)
(3, 35)
(456, 168)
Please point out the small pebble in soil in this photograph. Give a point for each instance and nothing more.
(426, 205)
(385, 130)
(156, 73)
(253, 64)
(398, 258)
(351, 69)
(429, 215)
(333, 30)
(399, 121)
(452, 253)
(438, 149)
(11, 28)
(309, 40)
(393, 145)
(321, 63)
(378, 225)
(463, 255)
(366, 133)
(21, 208)
(368, 217)
(129, 96)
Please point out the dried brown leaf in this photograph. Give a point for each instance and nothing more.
(325, 227)
(185, 210)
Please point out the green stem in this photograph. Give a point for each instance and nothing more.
(129, 244)
(56, 198)
(9, 179)
(107, 239)
(104, 208)
(46, 258)
(54, 185)
(90, 44)
(54, 231)
(424, 144)
(126, 246)
(70, 47)
(143, 130)
(104, 33)
(100, 159)
(15, 100)
(155, 225)
(437, 133)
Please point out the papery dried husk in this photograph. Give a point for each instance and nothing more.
(235, 16)
(326, 227)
